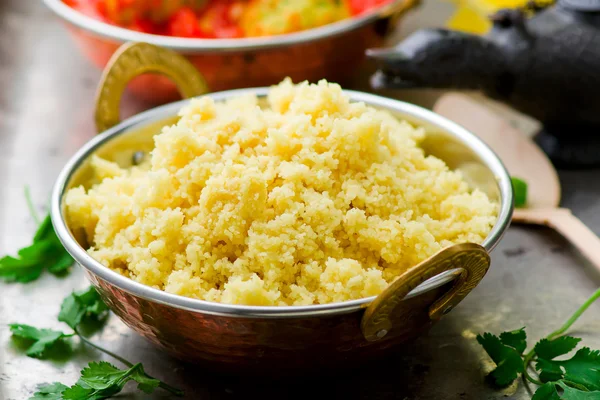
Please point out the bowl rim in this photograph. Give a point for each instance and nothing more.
(198, 45)
(137, 289)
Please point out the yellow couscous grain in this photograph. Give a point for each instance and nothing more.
(309, 199)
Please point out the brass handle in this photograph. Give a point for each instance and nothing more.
(472, 258)
(134, 59)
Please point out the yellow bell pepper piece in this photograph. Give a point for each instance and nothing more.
(473, 15)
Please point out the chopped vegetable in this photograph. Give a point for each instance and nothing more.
(221, 18)
(520, 190)
(577, 378)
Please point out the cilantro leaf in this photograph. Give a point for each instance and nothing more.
(77, 392)
(41, 339)
(18, 270)
(550, 349)
(60, 263)
(46, 251)
(82, 304)
(508, 360)
(101, 375)
(546, 392)
(583, 369)
(145, 383)
(51, 391)
(549, 372)
(561, 391)
(100, 380)
(520, 191)
(45, 230)
(516, 339)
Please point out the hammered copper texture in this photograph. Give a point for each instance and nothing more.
(263, 344)
(334, 58)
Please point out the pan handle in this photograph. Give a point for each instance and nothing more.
(134, 59)
(471, 258)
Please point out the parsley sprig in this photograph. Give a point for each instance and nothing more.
(577, 378)
(99, 380)
(38, 340)
(45, 252)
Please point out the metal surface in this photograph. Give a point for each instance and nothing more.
(46, 114)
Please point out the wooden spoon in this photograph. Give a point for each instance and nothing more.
(524, 160)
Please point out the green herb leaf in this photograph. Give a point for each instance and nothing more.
(520, 190)
(77, 392)
(516, 339)
(100, 380)
(550, 349)
(101, 375)
(52, 391)
(546, 392)
(45, 230)
(41, 339)
(46, 251)
(577, 378)
(82, 304)
(562, 391)
(60, 264)
(145, 383)
(508, 360)
(583, 369)
(19, 270)
(549, 372)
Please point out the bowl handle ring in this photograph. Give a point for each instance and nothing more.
(134, 59)
(471, 258)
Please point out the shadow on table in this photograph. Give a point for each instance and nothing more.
(441, 365)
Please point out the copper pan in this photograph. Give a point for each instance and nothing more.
(334, 51)
(279, 338)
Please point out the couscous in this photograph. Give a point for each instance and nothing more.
(307, 199)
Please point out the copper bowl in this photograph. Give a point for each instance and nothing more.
(280, 338)
(332, 51)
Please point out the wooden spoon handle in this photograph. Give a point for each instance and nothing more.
(568, 225)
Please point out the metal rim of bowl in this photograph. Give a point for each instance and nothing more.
(196, 45)
(202, 306)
